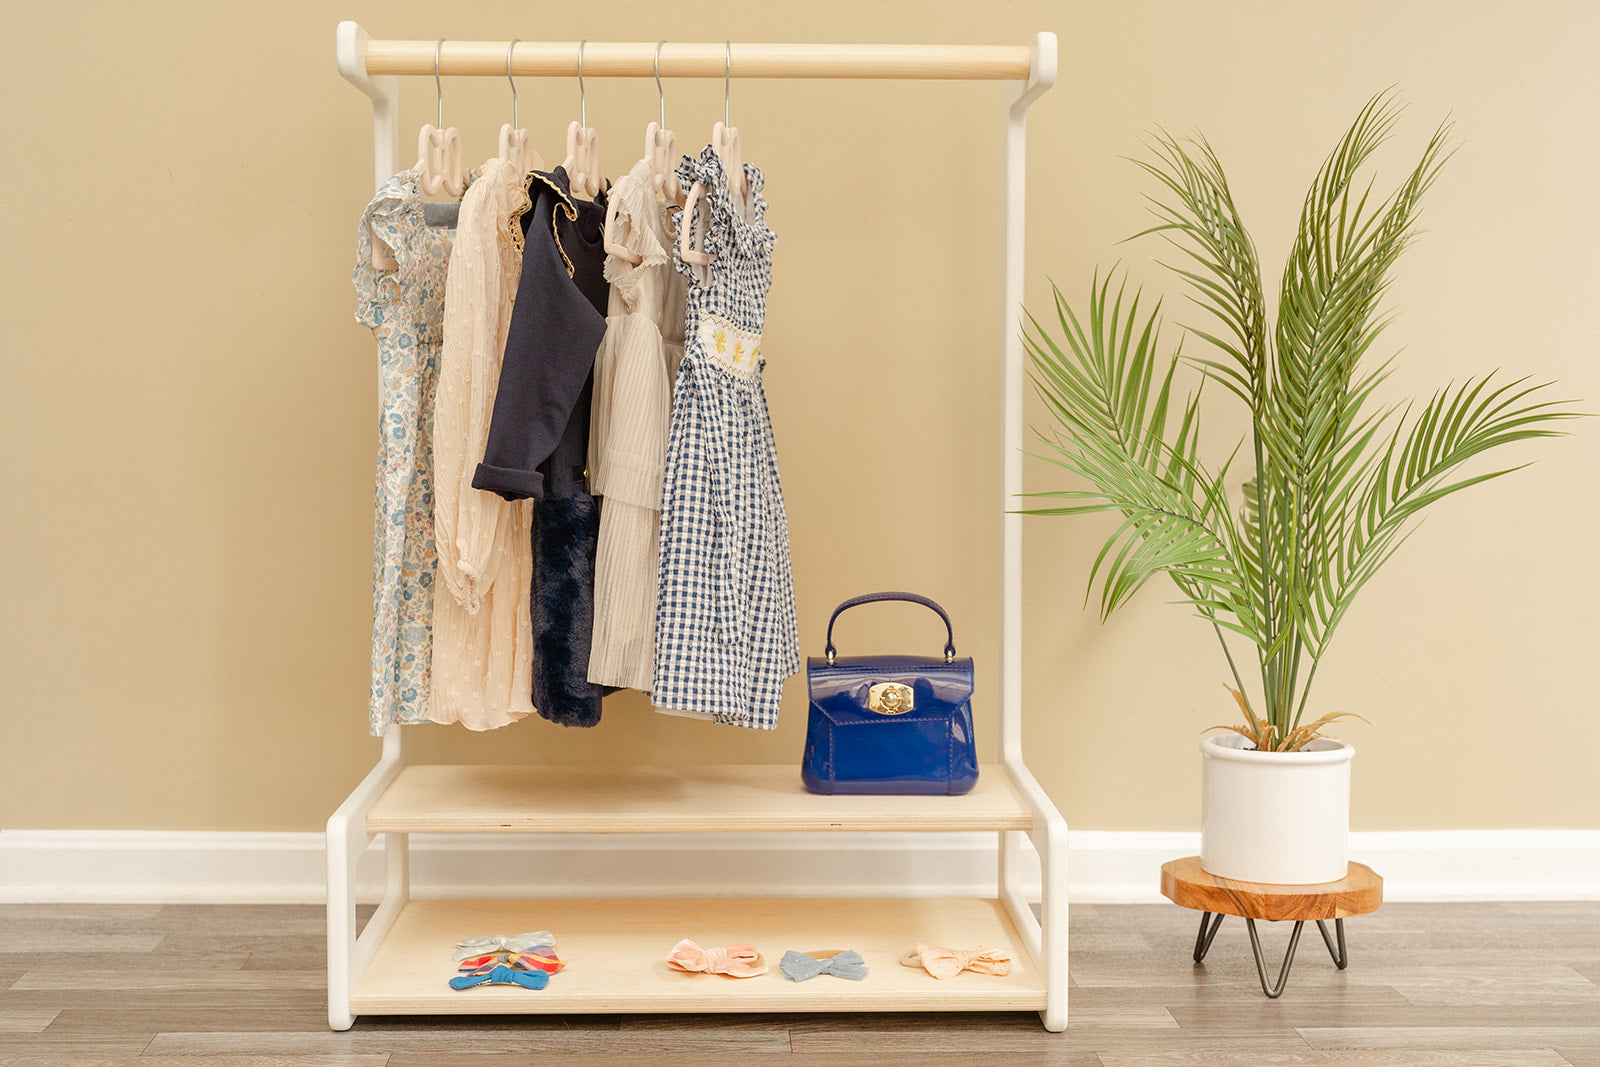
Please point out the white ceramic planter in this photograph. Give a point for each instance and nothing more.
(1276, 817)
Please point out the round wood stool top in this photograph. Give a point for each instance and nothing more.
(1183, 882)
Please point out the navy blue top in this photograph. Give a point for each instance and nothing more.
(539, 433)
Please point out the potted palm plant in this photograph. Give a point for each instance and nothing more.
(1271, 545)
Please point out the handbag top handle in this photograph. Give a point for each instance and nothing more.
(873, 598)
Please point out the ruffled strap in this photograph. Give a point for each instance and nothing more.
(746, 234)
(751, 234)
(394, 217)
(634, 226)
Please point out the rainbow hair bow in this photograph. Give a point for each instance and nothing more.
(531, 969)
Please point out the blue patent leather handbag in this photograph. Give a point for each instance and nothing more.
(890, 724)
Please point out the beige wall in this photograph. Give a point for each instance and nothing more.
(188, 408)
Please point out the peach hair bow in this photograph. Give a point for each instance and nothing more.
(735, 961)
(948, 962)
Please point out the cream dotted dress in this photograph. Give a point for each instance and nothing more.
(482, 632)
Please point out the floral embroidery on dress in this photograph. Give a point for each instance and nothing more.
(404, 307)
(728, 345)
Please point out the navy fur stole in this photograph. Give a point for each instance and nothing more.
(565, 535)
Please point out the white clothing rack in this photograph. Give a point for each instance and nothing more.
(401, 960)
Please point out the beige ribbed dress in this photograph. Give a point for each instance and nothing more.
(482, 633)
(633, 375)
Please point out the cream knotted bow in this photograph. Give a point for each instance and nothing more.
(735, 961)
(948, 962)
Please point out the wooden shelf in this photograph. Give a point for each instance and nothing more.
(627, 799)
(616, 952)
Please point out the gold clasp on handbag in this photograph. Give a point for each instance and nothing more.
(890, 698)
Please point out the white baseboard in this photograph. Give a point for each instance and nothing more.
(1116, 867)
(1103, 866)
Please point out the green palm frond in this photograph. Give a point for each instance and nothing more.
(1111, 395)
(1339, 481)
(1200, 220)
(1419, 466)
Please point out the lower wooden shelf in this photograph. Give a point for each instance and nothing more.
(617, 956)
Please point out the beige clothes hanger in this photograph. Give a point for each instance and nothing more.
(661, 149)
(661, 145)
(691, 205)
(583, 146)
(725, 136)
(725, 141)
(686, 251)
(440, 161)
(514, 146)
(439, 157)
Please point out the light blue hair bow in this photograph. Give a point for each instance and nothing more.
(797, 966)
(500, 975)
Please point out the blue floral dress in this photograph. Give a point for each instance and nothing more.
(404, 307)
(725, 619)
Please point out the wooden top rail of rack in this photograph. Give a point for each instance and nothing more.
(611, 59)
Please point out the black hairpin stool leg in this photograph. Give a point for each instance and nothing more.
(1208, 931)
(1274, 992)
(1202, 940)
(1341, 958)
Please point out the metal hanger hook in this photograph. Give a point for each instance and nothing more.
(583, 102)
(513, 82)
(727, 78)
(659, 91)
(438, 86)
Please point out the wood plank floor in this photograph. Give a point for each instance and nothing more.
(1474, 984)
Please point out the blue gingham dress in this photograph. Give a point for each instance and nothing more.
(726, 637)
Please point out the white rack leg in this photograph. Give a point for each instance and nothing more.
(1016, 900)
(397, 864)
(1046, 937)
(1011, 891)
(348, 955)
(1018, 97)
(1050, 838)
